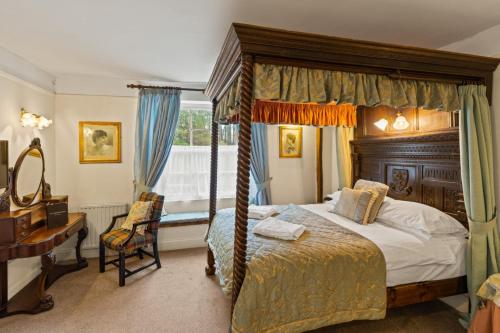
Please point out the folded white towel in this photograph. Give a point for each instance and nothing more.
(260, 212)
(272, 227)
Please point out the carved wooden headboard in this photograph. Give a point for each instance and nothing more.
(422, 167)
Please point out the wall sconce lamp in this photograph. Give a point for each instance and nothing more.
(400, 123)
(381, 124)
(29, 119)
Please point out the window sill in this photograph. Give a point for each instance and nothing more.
(189, 201)
(183, 219)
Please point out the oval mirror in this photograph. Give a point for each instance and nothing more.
(28, 176)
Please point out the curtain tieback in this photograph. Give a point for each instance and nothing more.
(263, 185)
(481, 228)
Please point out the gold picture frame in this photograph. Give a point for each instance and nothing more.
(290, 141)
(100, 141)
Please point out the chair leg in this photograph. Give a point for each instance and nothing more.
(156, 254)
(121, 269)
(102, 257)
(139, 254)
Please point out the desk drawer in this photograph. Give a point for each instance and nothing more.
(23, 227)
(15, 227)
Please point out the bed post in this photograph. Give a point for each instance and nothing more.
(214, 147)
(243, 176)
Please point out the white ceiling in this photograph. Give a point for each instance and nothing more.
(179, 40)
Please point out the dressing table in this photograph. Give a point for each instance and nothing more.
(24, 233)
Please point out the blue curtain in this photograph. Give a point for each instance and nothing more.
(157, 116)
(259, 165)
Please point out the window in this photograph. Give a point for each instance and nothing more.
(187, 173)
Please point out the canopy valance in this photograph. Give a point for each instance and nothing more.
(300, 85)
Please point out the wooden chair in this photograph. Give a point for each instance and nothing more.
(129, 243)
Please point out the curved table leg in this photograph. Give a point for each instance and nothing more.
(48, 263)
(60, 269)
(32, 298)
(82, 234)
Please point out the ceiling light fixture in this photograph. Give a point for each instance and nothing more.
(400, 123)
(29, 119)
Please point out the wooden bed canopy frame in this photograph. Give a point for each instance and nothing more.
(429, 164)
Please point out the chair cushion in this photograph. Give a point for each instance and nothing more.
(157, 203)
(140, 211)
(115, 238)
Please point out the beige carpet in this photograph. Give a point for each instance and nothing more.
(179, 299)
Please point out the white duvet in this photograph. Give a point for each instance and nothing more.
(408, 258)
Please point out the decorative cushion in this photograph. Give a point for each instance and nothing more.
(157, 201)
(373, 199)
(115, 238)
(140, 211)
(353, 204)
(382, 190)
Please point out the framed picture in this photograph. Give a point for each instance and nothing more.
(290, 142)
(100, 142)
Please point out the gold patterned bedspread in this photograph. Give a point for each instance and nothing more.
(329, 275)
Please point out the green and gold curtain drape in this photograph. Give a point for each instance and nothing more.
(344, 163)
(476, 157)
(305, 85)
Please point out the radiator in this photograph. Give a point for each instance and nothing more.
(98, 219)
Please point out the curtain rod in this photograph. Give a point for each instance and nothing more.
(140, 86)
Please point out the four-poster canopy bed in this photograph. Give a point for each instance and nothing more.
(280, 77)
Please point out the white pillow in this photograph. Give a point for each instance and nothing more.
(419, 219)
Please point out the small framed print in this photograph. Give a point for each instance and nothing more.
(100, 142)
(290, 141)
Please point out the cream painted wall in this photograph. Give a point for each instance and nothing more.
(14, 94)
(294, 179)
(93, 183)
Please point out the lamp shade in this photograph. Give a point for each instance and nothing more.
(400, 123)
(381, 124)
(29, 119)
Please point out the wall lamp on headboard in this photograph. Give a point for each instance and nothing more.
(399, 124)
(29, 119)
(381, 124)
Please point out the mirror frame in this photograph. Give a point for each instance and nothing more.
(34, 145)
